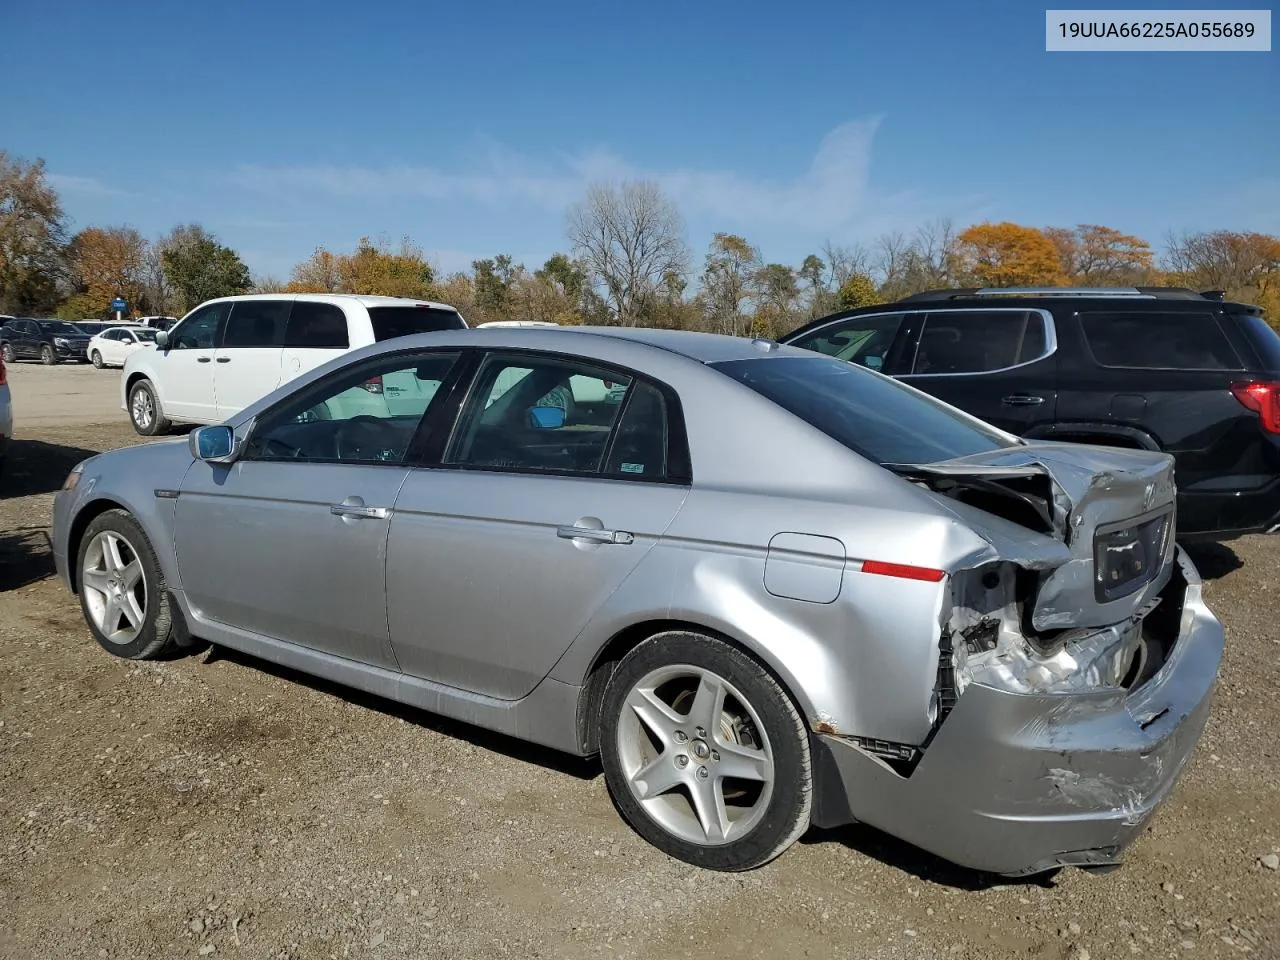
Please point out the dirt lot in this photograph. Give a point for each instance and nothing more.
(215, 805)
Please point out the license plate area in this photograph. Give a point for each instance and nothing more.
(1128, 558)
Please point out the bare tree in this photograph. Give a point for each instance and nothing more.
(843, 263)
(630, 237)
(891, 256)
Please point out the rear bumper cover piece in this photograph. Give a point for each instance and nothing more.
(1018, 784)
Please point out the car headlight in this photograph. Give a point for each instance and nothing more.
(73, 478)
(60, 341)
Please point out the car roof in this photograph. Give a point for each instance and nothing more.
(367, 300)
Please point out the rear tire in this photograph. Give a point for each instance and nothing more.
(704, 753)
(47, 356)
(96, 359)
(145, 412)
(122, 589)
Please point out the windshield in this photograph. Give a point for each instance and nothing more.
(389, 322)
(61, 329)
(872, 415)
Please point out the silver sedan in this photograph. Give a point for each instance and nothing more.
(768, 588)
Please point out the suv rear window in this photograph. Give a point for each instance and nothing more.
(391, 322)
(1264, 339)
(1159, 341)
(872, 415)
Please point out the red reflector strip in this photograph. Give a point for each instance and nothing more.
(902, 570)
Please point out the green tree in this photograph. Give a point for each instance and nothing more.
(32, 237)
(200, 268)
(858, 291)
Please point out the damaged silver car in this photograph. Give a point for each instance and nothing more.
(768, 588)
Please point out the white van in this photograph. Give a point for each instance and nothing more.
(229, 352)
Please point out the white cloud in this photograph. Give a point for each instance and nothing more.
(83, 186)
(833, 192)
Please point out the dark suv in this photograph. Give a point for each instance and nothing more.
(1151, 367)
(47, 340)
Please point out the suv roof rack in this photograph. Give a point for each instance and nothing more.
(1143, 293)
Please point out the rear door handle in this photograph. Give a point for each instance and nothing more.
(594, 535)
(358, 511)
(1022, 400)
(224, 359)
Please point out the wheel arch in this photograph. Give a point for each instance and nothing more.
(1103, 434)
(626, 639)
(75, 534)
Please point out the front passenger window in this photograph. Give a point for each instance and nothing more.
(864, 340)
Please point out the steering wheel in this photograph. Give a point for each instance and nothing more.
(281, 449)
(364, 437)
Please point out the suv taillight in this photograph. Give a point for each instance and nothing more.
(1263, 399)
(373, 384)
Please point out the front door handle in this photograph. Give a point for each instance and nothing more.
(594, 535)
(202, 359)
(1022, 400)
(358, 511)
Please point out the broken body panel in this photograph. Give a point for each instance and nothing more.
(1076, 662)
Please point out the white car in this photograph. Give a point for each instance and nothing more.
(114, 345)
(229, 352)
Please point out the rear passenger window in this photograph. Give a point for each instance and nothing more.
(639, 446)
(979, 341)
(256, 323)
(318, 325)
(1159, 341)
(389, 322)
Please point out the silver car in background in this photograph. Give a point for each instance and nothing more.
(770, 589)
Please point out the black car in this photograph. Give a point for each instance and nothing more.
(1149, 367)
(46, 340)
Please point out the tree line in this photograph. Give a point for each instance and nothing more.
(626, 262)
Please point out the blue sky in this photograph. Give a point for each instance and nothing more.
(471, 127)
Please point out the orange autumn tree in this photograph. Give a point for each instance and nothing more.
(1092, 255)
(1007, 255)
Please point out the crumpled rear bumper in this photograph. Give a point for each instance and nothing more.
(1018, 784)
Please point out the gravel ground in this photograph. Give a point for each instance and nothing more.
(214, 805)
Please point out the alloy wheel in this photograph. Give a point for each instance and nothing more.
(115, 588)
(695, 754)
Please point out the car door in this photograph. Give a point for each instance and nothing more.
(29, 339)
(997, 363)
(247, 362)
(537, 512)
(185, 367)
(289, 541)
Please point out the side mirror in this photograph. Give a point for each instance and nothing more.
(162, 340)
(213, 444)
(546, 418)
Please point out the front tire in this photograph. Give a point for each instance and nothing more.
(7, 352)
(47, 356)
(704, 753)
(144, 410)
(122, 590)
(96, 359)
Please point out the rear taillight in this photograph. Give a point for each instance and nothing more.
(373, 384)
(1263, 398)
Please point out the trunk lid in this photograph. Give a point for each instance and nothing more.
(1111, 509)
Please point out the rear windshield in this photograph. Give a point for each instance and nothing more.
(873, 415)
(1264, 339)
(389, 322)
